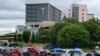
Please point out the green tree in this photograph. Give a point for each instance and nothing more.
(73, 34)
(33, 38)
(97, 35)
(53, 31)
(42, 36)
(65, 19)
(15, 37)
(26, 36)
(91, 26)
(19, 36)
(70, 20)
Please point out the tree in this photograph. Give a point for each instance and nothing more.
(33, 38)
(91, 26)
(73, 34)
(19, 36)
(53, 31)
(65, 19)
(15, 37)
(26, 36)
(97, 35)
(70, 20)
(42, 36)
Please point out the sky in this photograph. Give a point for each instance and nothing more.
(12, 12)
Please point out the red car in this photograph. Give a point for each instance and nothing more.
(13, 52)
(37, 51)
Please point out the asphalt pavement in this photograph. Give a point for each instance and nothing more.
(1, 55)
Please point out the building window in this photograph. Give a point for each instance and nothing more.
(82, 13)
(35, 9)
(82, 20)
(68, 17)
(82, 9)
(82, 17)
(36, 25)
(35, 16)
(31, 26)
(35, 13)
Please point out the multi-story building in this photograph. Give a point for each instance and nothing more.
(79, 12)
(36, 13)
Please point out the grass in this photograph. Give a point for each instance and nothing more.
(27, 44)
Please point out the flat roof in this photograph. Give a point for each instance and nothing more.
(45, 3)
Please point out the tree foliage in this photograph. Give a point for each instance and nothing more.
(15, 37)
(73, 34)
(91, 26)
(19, 36)
(26, 36)
(97, 34)
(33, 38)
(53, 32)
(42, 36)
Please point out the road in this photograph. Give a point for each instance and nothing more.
(1, 55)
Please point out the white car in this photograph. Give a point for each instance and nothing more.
(1, 49)
(75, 52)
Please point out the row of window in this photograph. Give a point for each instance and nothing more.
(82, 10)
(31, 9)
(30, 5)
(31, 16)
(82, 14)
(31, 12)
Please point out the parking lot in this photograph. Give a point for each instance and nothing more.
(1, 55)
(31, 50)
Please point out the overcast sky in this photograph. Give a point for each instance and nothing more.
(12, 12)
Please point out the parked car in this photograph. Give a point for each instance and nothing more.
(77, 53)
(11, 51)
(34, 50)
(57, 52)
(1, 49)
(23, 51)
(95, 52)
(67, 52)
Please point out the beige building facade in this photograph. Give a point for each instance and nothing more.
(79, 12)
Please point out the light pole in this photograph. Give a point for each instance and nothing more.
(30, 36)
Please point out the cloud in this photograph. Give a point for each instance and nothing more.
(4, 14)
(9, 25)
(12, 9)
(12, 5)
(5, 30)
